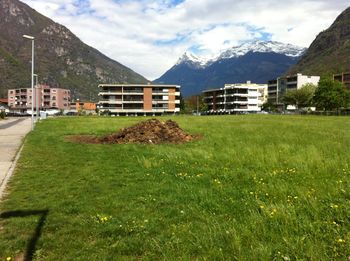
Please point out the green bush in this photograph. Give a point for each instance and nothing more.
(2, 114)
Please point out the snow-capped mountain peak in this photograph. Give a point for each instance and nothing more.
(263, 47)
(192, 58)
(237, 51)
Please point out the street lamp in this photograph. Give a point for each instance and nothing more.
(36, 97)
(32, 39)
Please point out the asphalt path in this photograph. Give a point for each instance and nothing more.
(12, 134)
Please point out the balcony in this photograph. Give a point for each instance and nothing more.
(132, 101)
(116, 92)
(111, 101)
(160, 101)
(241, 94)
(240, 102)
(160, 92)
(110, 107)
(133, 92)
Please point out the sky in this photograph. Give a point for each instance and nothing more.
(149, 36)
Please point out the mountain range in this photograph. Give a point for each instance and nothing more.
(61, 58)
(257, 61)
(330, 51)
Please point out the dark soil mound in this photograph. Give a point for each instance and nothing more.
(147, 132)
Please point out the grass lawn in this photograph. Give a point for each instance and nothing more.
(256, 187)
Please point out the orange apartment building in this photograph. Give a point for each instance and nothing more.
(48, 98)
(344, 78)
(139, 99)
(83, 106)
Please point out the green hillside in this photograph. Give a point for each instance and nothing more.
(61, 59)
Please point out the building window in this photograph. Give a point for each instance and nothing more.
(53, 98)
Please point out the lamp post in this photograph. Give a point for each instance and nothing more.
(36, 96)
(32, 39)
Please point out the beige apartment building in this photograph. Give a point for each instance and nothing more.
(139, 99)
(47, 98)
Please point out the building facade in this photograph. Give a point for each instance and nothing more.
(139, 99)
(47, 98)
(344, 78)
(83, 106)
(277, 88)
(235, 98)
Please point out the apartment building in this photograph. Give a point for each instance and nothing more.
(4, 102)
(83, 106)
(235, 98)
(344, 78)
(277, 87)
(47, 98)
(139, 99)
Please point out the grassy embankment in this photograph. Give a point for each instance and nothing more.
(254, 188)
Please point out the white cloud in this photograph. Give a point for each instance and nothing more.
(149, 36)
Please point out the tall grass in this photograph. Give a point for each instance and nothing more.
(253, 188)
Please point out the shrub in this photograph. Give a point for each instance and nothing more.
(2, 114)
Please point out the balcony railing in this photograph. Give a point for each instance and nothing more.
(110, 101)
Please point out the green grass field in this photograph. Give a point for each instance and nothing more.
(256, 187)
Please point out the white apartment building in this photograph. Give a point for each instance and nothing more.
(277, 88)
(235, 98)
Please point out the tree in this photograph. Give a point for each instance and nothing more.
(300, 98)
(269, 106)
(191, 103)
(182, 103)
(331, 95)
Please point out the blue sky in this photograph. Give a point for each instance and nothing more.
(149, 36)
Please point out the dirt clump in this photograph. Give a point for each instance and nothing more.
(150, 131)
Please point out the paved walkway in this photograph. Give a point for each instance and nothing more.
(12, 132)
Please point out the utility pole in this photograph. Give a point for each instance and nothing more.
(32, 74)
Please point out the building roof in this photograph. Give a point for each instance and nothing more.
(138, 85)
(4, 100)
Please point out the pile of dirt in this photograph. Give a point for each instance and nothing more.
(146, 132)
